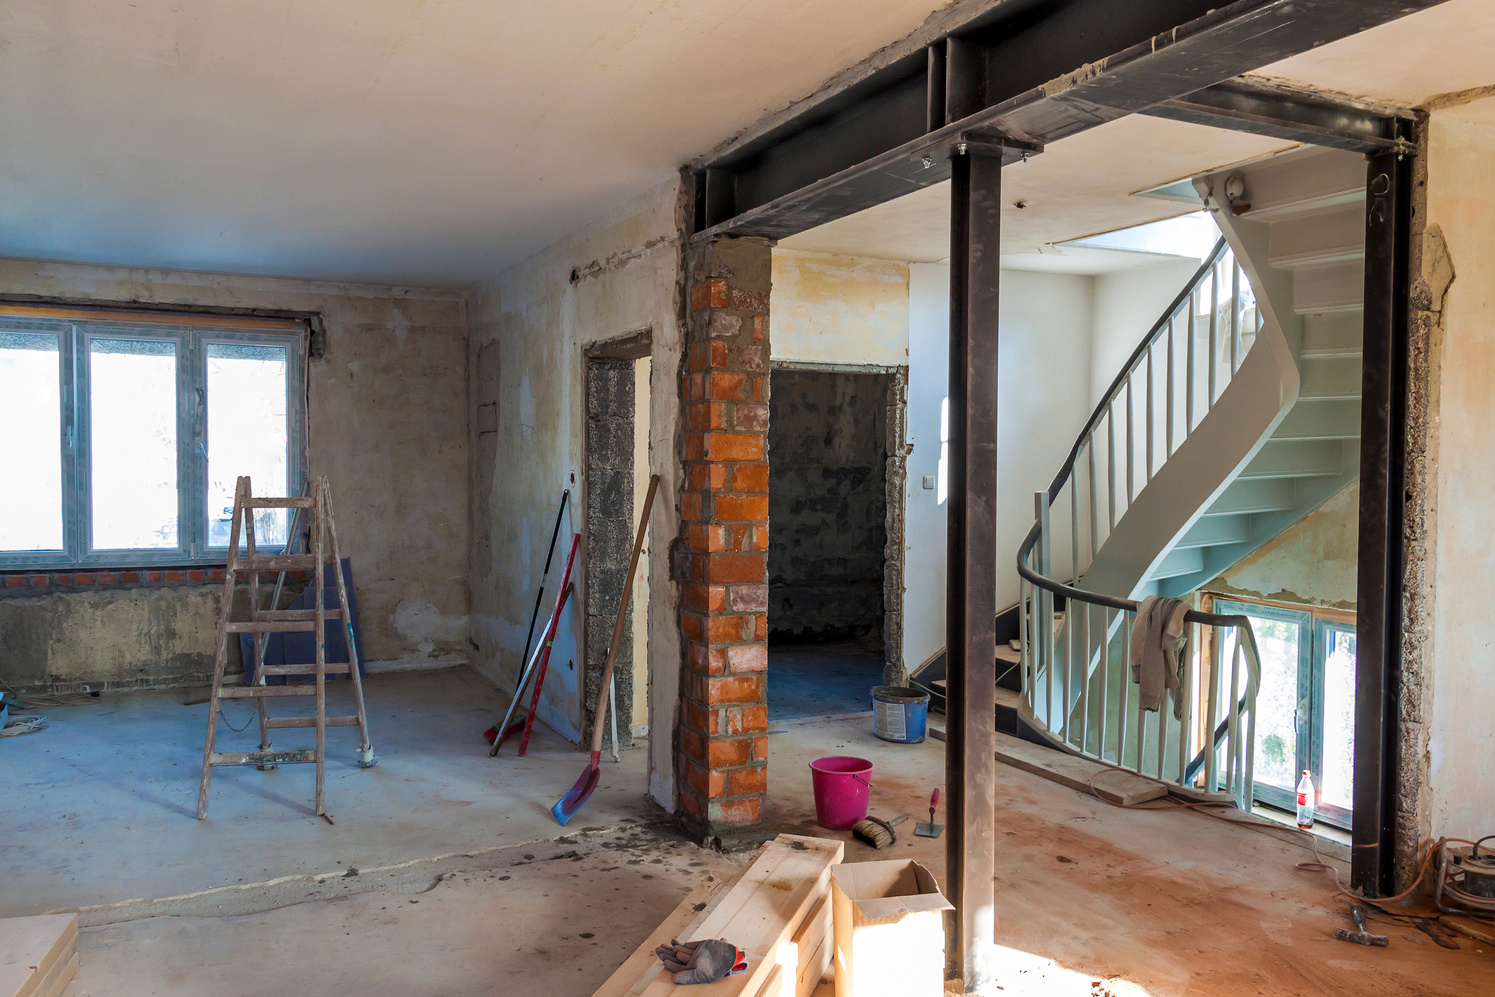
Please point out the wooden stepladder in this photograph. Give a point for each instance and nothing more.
(322, 542)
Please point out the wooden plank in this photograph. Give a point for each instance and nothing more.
(310, 721)
(762, 911)
(272, 627)
(35, 953)
(57, 980)
(812, 948)
(682, 923)
(1069, 770)
(280, 503)
(251, 691)
(774, 985)
(274, 562)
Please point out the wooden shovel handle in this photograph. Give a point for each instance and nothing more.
(612, 652)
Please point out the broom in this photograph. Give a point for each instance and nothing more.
(566, 807)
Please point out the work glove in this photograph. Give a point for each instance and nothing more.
(701, 962)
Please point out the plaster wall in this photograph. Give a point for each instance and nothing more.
(1312, 563)
(1043, 386)
(1126, 304)
(386, 414)
(1460, 566)
(839, 309)
(618, 276)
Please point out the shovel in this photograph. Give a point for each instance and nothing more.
(929, 829)
(565, 808)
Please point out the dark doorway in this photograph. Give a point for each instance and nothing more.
(828, 514)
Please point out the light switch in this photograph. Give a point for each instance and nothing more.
(929, 482)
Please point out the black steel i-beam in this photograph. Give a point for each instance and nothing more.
(971, 578)
(1383, 421)
(1036, 70)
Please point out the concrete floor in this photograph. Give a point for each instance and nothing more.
(1092, 899)
(821, 680)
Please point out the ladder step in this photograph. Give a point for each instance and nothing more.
(333, 668)
(310, 721)
(298, 614)
(262, 757)
(280, 503)
(272, 627)
(254, 691)
(274, 562)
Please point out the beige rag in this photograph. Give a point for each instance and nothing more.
(1159, 641)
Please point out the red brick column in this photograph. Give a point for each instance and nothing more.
(724, 506)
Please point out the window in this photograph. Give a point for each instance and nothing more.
(136, 432)
(1305, 707)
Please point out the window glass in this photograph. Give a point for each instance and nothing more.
(133, 443)
(1280, 644)
(247, 434)
(31, 503)
(1338, 784)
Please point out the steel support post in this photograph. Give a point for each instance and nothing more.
(971, 580)
(1378, 632)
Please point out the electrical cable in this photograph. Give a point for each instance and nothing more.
(16, 726)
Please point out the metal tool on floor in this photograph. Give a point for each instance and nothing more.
(1360, 936)
(876, 832)
(322, 544)
(566, 807)
(538, 664)
(929, 829)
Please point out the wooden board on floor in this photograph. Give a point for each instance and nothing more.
(812, 947)
(38, 955)
(1076, 773)
(763, 910)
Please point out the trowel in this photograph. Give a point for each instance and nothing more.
(929, 829)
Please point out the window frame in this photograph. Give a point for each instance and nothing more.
(1314, 627)
(191, 337)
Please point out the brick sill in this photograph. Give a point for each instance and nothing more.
(20, 583)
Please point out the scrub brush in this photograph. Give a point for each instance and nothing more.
(877, 832)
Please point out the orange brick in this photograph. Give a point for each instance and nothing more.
(696, 716)
(726, 629)
(695, 446)
(758, 389)
(719, 292)
(738, 813)
(701, 416)
(729, 446)
(754, 719)
(746, 781)
(727, 386)
(696, 477)
(727, 689)
(730, 507)
(759, 324)
(694, 626)
(708, 661)
(737, 539)
(690, 507)
(718, 477)
(760, 627)
(760, 749)
(760, 538)
(700, 296)
(692, 745)
(725, 752)
(727, 569)
(701, 537)
(692, 802)
(705, 598)
(704, 356)
(750, 478)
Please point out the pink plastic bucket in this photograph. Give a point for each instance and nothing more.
(841, 785)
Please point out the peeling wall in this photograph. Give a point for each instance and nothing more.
(387, 424)
(839, 309)
(1453, 632)
(1314, 562)
(529, 329)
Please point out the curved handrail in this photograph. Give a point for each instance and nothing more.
(1029, 567)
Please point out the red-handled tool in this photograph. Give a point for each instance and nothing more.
(930, 829)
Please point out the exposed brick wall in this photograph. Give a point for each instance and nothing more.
(724, 508)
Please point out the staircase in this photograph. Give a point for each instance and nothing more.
(1236, 416)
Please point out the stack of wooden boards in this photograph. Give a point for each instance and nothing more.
(777, 909)
(38, 955)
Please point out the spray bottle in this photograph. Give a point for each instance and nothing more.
(1305, 801)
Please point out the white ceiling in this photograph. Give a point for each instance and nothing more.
(1077, 187)
(437, 142)
(402, 141)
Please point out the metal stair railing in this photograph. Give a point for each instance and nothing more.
(1077, 688)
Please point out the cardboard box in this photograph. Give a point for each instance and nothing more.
(889, 927)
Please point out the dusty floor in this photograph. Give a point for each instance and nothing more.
(1091, 899)
(821, 680)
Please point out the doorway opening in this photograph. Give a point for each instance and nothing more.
(832, 438)
(618, 461)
